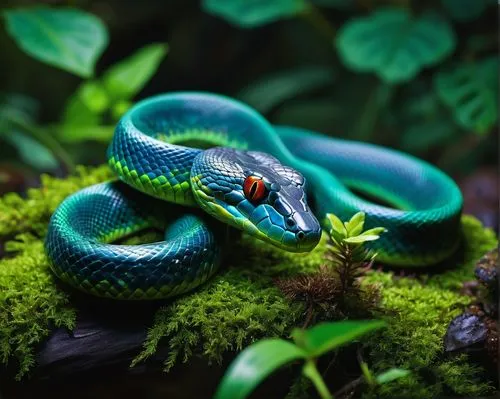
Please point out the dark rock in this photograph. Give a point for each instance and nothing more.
(464, 331)
(486, 271)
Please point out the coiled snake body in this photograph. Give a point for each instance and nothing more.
(254, 186)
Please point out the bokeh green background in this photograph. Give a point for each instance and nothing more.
(416, 75)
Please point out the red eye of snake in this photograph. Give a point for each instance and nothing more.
(254, 188)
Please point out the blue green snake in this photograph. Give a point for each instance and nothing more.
(188, 161)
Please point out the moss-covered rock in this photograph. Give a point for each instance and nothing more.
(240, 304)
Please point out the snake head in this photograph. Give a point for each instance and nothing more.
(254, 192)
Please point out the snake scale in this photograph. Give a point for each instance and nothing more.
(185, 160)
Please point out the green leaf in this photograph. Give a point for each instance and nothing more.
(86, 105)
(271, 91)
(361, 239)
(375, 231)
(391, 375)
(466, 10)
(254, 364)
(393, 44)
(120, 108)
(311, 371)
(356, 224)
(253, 13)
(324, 337)
(31, 151)
(337, 224)
(69, 39)
(74, 133)
(471, 91)
(125, 79)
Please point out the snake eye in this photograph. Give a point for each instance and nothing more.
(254, 188)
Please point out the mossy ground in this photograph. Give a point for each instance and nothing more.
(240, 304)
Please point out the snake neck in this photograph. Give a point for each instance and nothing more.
(151, 166)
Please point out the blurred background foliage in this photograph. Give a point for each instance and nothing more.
(417, 75)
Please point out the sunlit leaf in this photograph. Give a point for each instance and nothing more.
(271, 91)
(375, 231)
(126, 78)
(67, 38)
(324, 337)
(254, 364)
(391, 375)
(394, 44)
(252, 13)
(471, 91)
(362, 238)
(355, 225)
(337, 224)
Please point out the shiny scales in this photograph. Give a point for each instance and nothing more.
(172, 179)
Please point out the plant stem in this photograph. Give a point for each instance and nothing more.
(47, 140)
(368, 376)
(311, 372)
(351, 385)
(309, 315)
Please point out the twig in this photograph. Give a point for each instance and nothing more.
(309, 315)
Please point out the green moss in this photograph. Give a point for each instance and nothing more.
(478, 241)
(240, 304)
(30, 304)
(419, 311)
(19, 215)
(226, 314)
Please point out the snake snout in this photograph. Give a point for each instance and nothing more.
(307, 230)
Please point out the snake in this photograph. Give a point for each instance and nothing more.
(197, 165)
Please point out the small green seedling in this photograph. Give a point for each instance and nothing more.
(346, 251)
(259, 360)
(348, 237)
(264, 357)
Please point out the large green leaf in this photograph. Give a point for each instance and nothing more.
(125, 79)
(393, 44)
(324, 337)
(18, 107)
(471, 91)
(466, 10)
(70, 39)
(252, 13)
(271, 91)
(94, 99)
(31, 151)
(254, 364)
